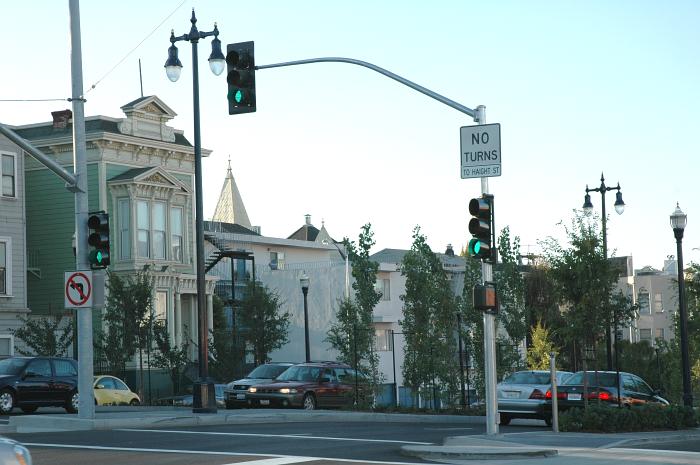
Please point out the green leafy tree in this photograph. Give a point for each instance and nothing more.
(172, 358)
(510, 285)
(428, 322)
(50, 336)
(128, 307)
(542, 345)
(265, 327)
(352, 335)
(225, 351)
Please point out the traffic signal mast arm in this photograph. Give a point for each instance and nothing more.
(476, 114)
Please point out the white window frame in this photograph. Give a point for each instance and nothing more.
(651, 334)
(658, 302)
(138, 229)
(13, 155)
(170, 235)
(648, 311)
(164, 206)
(124, 246)
(12, 344)
(166, 299)
(8, 266)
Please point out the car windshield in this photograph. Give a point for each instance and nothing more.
(12, 366)
(527, 377)
(603, 379)
(267, 371)
(300, 373)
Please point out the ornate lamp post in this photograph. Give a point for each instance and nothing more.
(678, 223)
(204, 400)
(304, 281)
(619, 208)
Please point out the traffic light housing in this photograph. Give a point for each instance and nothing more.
(481, 226)
(98, 238)
(240, 76)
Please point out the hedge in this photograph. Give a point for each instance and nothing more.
(644, 418)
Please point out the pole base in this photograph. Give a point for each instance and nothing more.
(203, 396)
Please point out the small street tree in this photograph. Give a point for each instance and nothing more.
(50, 335)
(226, 354)
(352, 335)
(170, 357)
(265, 326)
(542, 345)
(428, 322)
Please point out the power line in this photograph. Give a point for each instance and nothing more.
(137, 46)
(36, 100)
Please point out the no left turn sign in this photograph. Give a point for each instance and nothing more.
(78, 289)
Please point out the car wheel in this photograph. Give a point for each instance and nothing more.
(72, 402)
(505, 419)
(7, 401)
(29, 409)
(134, 402)
(309, 402)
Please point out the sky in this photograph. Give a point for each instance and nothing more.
(579, 89)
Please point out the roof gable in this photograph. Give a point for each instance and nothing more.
(153, 175)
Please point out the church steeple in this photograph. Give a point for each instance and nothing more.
(230, 207)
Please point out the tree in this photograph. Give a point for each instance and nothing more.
(428, 322)
(170, 357)
(128, 307)
(225, 352)
(583, 280)
(352, 335)
(265, 327)
(50, 335)
(538, 353)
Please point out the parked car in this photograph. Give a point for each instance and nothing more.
(602, 387)
(13, 453)
(522, 395)
(309, 385)
(33, 382)
(113, 391)
(186, 400)
(235, 391)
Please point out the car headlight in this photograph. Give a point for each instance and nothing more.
(22, 455)
(288, 391)
(252, 389)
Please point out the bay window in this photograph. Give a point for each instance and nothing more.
(143, 231)
(159, 230)
(176, 238)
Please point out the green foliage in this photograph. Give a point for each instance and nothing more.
(583, 280)
(600, 418)
(352, 335)
(225, 350)
(128, 307)
(542, 346)
(472, 324)
(510, 286)
(171, 357)
(265, 327)
(50, 336)
(429, 320)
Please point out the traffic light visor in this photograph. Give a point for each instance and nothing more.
(480, 207)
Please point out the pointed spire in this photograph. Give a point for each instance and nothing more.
(230, 207)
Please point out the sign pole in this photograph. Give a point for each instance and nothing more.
(86, 409)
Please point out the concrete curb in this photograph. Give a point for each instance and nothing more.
(157, 419)
(678, 436)
(475, 452)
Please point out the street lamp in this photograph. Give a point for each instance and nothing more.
(619, 208)
(678, 222)
(304, 281)
(203, 396)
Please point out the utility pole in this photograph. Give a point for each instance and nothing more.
(86, 407)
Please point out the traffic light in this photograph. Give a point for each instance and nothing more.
(98, 224)
(240, 76)
(481, 228)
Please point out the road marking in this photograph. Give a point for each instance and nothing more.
(276, 461)
(446, 429)
(206, 452)
(260, 435)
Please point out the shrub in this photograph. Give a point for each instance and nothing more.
(645, 418)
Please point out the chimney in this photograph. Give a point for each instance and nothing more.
(61, 118)
(450, 252)
(307, 217)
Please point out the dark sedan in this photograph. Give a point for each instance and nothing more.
(602, 388)
(33, 382)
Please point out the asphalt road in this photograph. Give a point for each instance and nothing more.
(224, 444)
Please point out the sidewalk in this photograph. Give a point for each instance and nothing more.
(107, 418)
(561, 448)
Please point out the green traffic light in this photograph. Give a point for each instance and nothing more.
(238, 97)
(99, 257)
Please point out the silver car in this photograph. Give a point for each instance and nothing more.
(522, 395)
(235, 391)
(13, 453)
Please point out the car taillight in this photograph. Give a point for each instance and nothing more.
(537, 394)
(560, 395)
(548, 394)
(604, 395)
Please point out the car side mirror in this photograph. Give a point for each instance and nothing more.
(99, 386)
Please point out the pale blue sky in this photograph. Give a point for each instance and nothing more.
(578, 87)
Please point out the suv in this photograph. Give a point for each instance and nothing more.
(310, 385)
(33, 382)
(235, 391)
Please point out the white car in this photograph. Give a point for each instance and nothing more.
(13, 453)
(522, 395)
